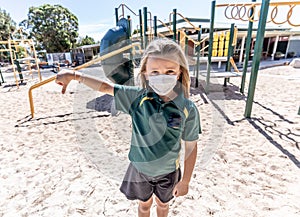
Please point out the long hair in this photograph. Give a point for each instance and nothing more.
(167, 49)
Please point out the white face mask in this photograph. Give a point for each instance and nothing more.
(162, 84)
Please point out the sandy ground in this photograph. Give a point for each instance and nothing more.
(70, 158)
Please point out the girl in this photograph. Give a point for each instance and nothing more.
(162, 117)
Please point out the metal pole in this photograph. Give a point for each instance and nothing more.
(130, 68)
(145, 26)
(211, 38)
(230, 53)
(247, 50)
(186, 43)
(155, 26)
(257, 55)
(230, 48)
(2, 79)
(198, 56)
(129, 27)
(275, 46)
(174, 24)
(242, 50)
(116, 15)
(141, 28)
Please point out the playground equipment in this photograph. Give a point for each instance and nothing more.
(247, 12)
(118, 40)
(117, 68)
(14, 46)
(222, 45)
(101, 58)
(217, 41)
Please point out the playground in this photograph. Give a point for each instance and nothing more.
(57, 163)
(65, 155)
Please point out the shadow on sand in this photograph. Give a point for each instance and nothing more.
(264, 127)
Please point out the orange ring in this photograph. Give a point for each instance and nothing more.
(225, 12)
(250, 17)
(245, 11)
(289, 14)
(235, 17)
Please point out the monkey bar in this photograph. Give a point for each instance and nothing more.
(247, 12)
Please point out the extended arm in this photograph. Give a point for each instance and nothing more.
(189, 163)
(65, 76)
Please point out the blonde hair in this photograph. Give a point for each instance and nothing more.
(168, 49)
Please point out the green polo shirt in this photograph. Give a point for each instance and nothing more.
(157, 128)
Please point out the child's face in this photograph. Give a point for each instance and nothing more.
(160, 66)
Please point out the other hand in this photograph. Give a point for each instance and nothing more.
(63, 78)
(181, 189)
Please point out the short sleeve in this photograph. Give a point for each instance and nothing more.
(192, 127)
(124, 96)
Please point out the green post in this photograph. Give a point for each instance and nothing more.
(130, 67)
(211, 38)
(2, 79)
(247, 51)
(198, 57)
(141, 28)
(230, 48)
(116, 15)
(257, 55)
(178, 37)
(230, 53)
(186, 43)
(145, 26)
(129, 27)
(19, 69)
(155, 26)
(174, 24)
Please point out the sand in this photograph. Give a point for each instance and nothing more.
(70, 158)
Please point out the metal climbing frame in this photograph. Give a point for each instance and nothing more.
(249, 12)
(13, 47)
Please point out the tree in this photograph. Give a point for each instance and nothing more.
(85, 41)
(54, 27)
(7, 25)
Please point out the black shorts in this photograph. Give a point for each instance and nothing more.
(137, 185)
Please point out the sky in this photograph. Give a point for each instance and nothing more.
(96, 16)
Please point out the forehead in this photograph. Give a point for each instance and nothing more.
(154, 62)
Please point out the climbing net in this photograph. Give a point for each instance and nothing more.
(248, 12)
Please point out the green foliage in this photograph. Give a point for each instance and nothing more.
(7, 25)
(85, 41)
(54, 27)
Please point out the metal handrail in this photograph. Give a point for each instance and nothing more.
(91, 62)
